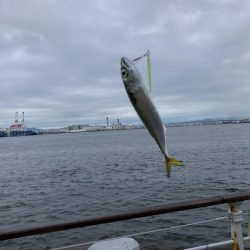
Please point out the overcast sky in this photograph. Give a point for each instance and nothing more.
(60, 59)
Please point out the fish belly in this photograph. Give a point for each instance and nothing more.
(150, 117)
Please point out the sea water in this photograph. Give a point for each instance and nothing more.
(48, 178)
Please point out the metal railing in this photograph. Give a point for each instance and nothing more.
(233, 200)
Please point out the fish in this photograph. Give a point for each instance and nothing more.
(145, 108)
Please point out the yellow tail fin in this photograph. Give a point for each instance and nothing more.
(172, 161)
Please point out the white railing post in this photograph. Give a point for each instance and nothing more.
(236, 218)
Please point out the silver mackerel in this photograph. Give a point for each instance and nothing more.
(140, 99)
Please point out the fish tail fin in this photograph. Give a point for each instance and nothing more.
(172, 161)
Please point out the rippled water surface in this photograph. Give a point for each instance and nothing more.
(68, 176)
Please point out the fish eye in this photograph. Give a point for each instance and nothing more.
(124, 73)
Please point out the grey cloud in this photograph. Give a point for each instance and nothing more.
(59, 60)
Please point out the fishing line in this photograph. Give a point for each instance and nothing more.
(149, 81)
(140, 57)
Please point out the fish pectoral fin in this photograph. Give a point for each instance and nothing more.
(172, 161)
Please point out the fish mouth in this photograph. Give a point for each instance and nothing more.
(125, 62)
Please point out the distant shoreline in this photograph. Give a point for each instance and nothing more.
(115, 127)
